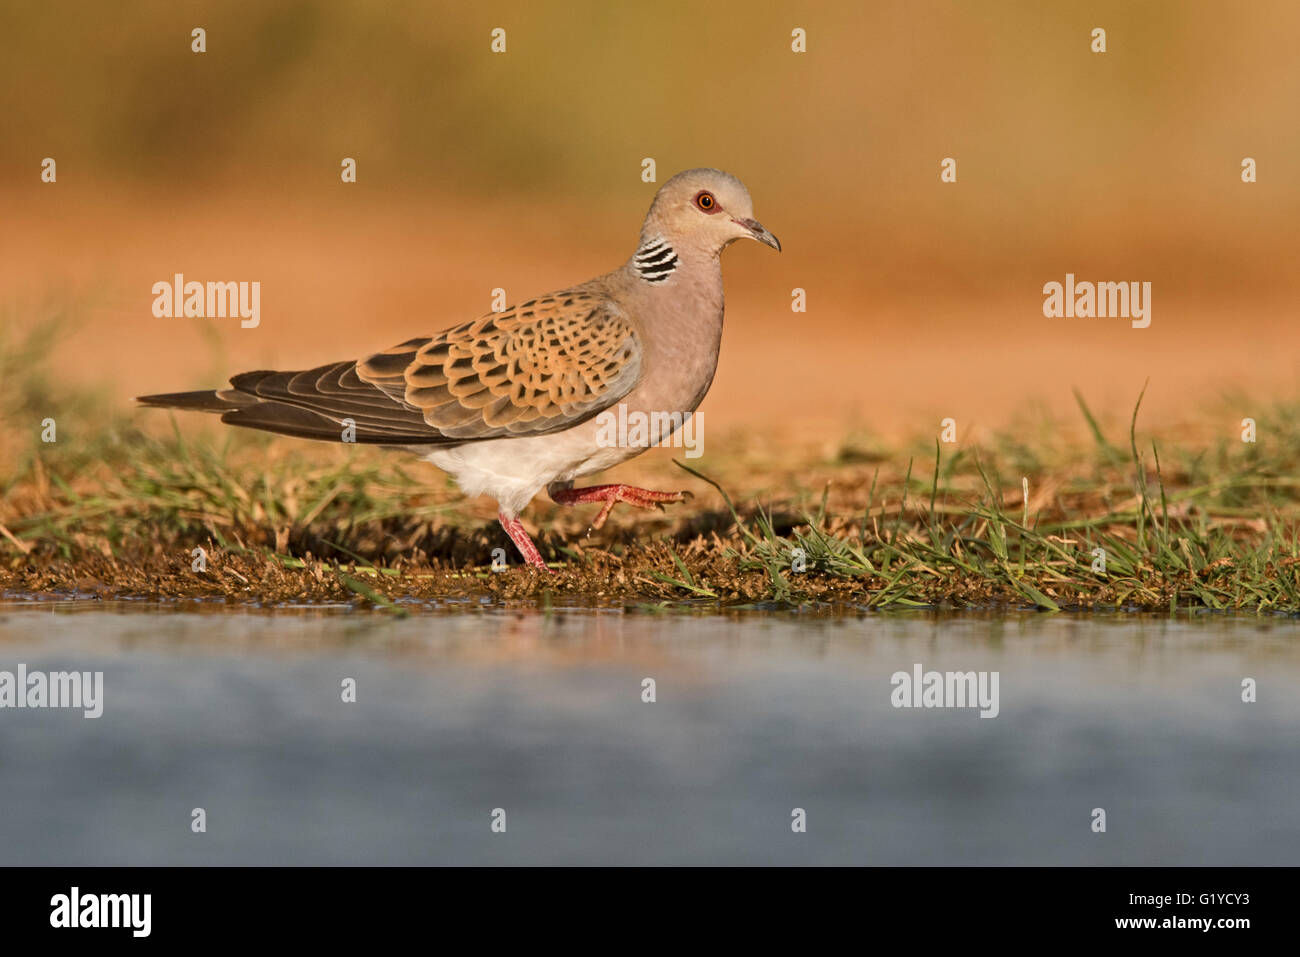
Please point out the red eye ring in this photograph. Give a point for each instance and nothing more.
(706, 201)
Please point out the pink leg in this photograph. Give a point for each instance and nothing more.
(515, 529)
(611, 495)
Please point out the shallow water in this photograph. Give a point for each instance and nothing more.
(542, 715)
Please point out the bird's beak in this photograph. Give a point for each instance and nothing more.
(758, 231)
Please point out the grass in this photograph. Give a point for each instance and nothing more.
(1025, 519)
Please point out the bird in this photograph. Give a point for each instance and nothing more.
(508, 403)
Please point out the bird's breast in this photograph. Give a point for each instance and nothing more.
(681, 341)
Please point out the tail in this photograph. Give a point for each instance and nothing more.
(209, 400)
(314, 404)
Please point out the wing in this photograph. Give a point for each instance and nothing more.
(539, 367)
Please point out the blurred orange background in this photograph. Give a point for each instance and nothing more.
(522, 170)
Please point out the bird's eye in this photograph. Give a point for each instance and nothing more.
(706, 202)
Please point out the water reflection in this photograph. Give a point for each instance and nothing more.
(473, 708)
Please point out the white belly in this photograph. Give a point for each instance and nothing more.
(512, 471)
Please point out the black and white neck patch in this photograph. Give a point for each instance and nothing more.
(655, 260)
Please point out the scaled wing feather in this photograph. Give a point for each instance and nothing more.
(539, 367)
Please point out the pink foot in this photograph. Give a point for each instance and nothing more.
(515, 529)
(611, 495)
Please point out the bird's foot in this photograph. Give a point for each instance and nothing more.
(611, 495)
(515, 529)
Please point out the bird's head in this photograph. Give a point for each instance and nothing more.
(707, 210)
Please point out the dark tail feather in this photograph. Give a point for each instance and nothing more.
(238, 408)
(251, 412)
(305, 424)
(208, 400)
